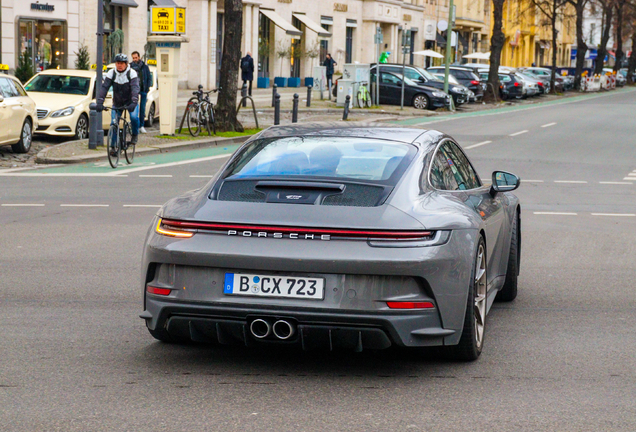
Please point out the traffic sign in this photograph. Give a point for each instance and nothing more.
(167, 20)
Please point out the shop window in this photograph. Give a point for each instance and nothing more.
(43, 43)
(113, 31)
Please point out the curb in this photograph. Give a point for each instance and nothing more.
(42, 158)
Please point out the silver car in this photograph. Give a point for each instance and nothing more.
(336, 237)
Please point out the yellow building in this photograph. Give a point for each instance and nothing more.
(520, 31)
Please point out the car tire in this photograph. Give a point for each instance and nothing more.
(26, 138)
(471, 342)
(151, 116)
(508, 292)
(81, 127)
(420, 101)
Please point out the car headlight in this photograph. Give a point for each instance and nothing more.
(439, 94)
(63, 112)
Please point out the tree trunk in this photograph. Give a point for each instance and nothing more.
(581, 46)
(632, 60)
(608, 10)
(225, 110)
(496, 46)
(553, 19)
(619, 36)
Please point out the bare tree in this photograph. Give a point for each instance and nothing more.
(608, 13)
(225, 110)
(630, 19)
(581, 46)
(619, 34)
(553, 10)
(631, 67)
(496, 46)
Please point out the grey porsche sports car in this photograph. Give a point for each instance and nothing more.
(336, 237)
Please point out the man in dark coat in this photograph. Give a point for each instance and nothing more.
(329, 63)
(247, 70)
(145, 82)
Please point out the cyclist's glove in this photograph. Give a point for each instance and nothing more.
(132, 107)
(99, 107)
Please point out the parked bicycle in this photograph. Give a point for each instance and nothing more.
(118, 134)
(200, 112)
(363, 97)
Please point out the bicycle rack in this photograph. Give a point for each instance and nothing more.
(184, 114)
(244, 99)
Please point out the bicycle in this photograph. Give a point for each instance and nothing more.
(363, 97)
(117, 139)
(200, 112)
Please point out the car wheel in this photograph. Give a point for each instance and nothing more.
(151, 115)
(81, 128)
(420, 101)
(26, 138)
(509, 290)
(471, 342)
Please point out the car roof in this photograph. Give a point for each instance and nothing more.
(453, 67)
(72, 72)
(337, 129)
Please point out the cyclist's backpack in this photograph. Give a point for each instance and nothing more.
(245, 65)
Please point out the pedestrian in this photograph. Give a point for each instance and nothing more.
(329, 63)
(145, 82)
(247, 71)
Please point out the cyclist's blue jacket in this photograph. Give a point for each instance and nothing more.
(125, 87)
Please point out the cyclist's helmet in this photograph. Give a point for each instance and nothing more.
(121, 58)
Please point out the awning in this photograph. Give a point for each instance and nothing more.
(428, 53)
(279, 21)
(166, 3)
(311, 25)
(124, 3)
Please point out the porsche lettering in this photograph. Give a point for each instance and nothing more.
(279, 235)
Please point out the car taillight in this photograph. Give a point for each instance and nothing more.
(473, 82)
(540, 84)
(168, 230)
(158, 291)
(516, 84)
(410, 305)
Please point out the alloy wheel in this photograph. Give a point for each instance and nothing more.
(480, 296)
(27, 136)
(420, 102)
(81, 129)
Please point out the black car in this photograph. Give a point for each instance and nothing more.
(415, 94)
(465, 77)
(510, 87)
(422, 77)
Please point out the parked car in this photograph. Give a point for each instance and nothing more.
(452, 81)
(510, 87)
(465, 77)
(422, 77)
(561, 83)
(152, 103)
(341, 237)
(415, 94)
(530, 85)
(542, 81)
(18, 116)
(62, 97)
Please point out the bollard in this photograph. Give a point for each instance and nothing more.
(244, 93)
(92, 134)
(322, 88)
(345, 113)
(309, 87)
(277, 109)
(274, 91)
(295, 109)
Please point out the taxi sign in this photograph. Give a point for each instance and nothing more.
(4, 67)
(167, 20)
(151, 62)
(94, 67)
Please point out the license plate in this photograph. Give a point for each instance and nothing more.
(274, 286)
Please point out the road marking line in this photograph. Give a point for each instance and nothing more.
(532, 181)
(630, 178)
(142, 205)
(615, 214)
(518, 133)
(548, 125)
(155, 175)
(210, 176)
(22, 205)
(30, 168)
(472, 146)
(556, 213)
(183, 162)
(615, 183)
(84, 205)
(570, 181)
(29, 174)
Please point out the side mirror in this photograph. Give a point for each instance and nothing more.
(503, 182)
(422, 79)
(1, 98)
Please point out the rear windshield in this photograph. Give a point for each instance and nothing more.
(59, 84)
(330, 157)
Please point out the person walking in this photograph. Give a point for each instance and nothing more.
(247, 70)
(329, 63)
(145, 82)
(125, 83)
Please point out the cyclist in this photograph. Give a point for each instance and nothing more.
(125, 83)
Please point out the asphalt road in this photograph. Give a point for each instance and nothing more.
(74, 356)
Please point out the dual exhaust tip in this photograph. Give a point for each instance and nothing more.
(281, 329)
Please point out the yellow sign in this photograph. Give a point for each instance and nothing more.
(151, 62)
(167, 20)
(4, 67)
(94, 67)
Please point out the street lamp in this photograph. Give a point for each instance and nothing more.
(95, 132)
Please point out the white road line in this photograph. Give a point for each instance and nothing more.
(548, 125)
(155, 175)
(570, 181)
(36, 174)
(630, 178)
(142, 205)
(210, 176)
(615, 183)
(615, 214)
(531, 181)
(84, 205)
(183, 162)
(30, 168)
(518, 133)
(472, 146)
(22, 205)
(556, 213)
